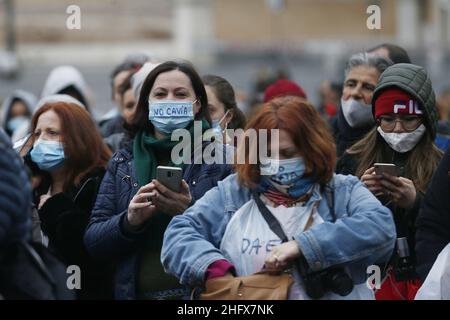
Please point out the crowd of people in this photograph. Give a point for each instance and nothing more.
(359, 181)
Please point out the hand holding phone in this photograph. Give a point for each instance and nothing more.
(400, 190)
(372, 181)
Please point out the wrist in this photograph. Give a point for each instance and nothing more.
(132, 222)
(219, 268)
(133, 226)
(415, 203)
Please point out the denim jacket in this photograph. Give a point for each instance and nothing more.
(363, 233)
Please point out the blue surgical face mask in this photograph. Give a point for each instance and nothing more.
(285, 171)
(168, 116)
(48, 155)
(216, 125)
(16, 123)
(288, 173)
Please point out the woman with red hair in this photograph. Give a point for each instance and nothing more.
(67, 157)
(334, 228)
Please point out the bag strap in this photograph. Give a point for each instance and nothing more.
(39, 262)
(300, 263)
(273, 223)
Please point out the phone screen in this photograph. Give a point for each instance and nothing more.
(387, 168)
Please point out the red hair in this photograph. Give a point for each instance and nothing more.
(83, 144)
(308, 131)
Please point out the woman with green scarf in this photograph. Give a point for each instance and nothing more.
(133, 209)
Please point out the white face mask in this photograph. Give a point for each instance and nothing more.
(405, 141)
(356, 113)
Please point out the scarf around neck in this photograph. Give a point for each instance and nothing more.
(146, 146)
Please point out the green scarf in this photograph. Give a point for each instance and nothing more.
(145, 146)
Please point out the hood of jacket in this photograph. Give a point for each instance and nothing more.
(62, 77)
(414, 80)
(27, 98)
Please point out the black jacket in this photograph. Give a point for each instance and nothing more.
(345, 135)
(433, 223)
(64, 218)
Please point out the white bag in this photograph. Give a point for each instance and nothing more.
(437, 284)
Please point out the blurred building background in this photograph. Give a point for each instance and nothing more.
(306, 40)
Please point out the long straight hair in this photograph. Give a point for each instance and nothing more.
(420, 165)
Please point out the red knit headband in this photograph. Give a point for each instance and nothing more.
(396, 101)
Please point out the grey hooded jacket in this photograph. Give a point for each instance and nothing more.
(414, 80)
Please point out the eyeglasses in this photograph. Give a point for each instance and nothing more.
(409, 123)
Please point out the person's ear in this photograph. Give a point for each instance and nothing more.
(197, 105)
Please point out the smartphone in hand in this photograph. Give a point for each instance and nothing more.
(170, 177)
(388, 168)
